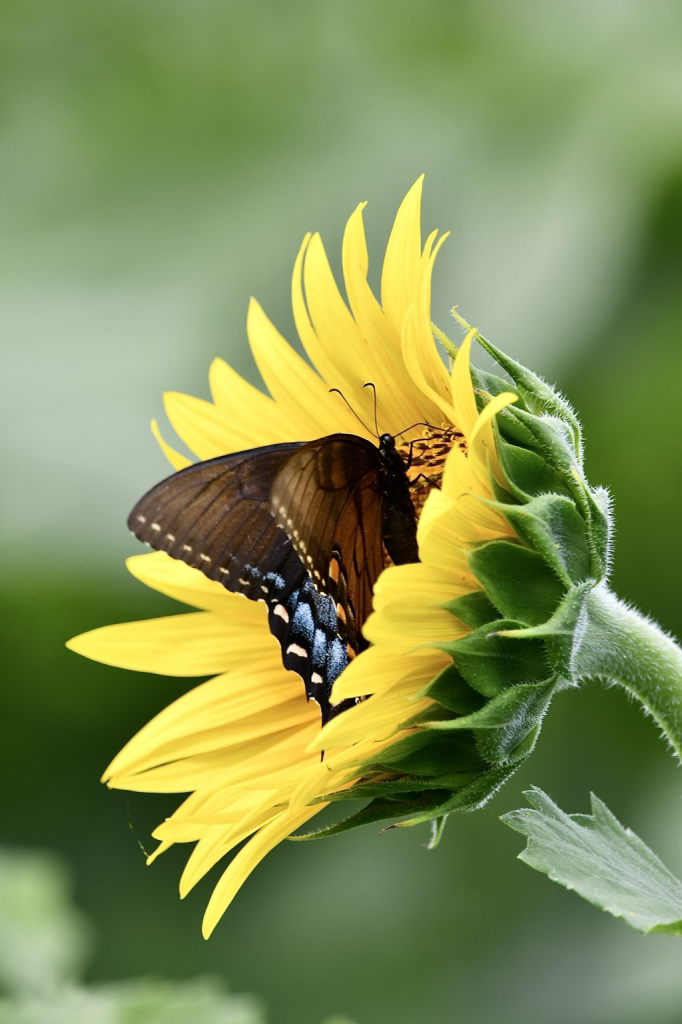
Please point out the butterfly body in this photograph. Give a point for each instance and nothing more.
(301, 526)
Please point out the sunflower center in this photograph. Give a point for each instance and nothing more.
(426, 456)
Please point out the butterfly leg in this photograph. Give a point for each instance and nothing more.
(431, 481)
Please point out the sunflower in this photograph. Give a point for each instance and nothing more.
(246, 745)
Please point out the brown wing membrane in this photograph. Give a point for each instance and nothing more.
(215, 515)
(327, 497)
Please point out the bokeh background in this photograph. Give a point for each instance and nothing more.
(160, 161)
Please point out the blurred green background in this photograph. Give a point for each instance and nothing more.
(160, 161)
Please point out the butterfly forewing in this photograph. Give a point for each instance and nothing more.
(328, 499)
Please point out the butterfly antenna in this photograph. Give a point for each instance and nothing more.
(368, 429)
(421, 423)
(369, 384)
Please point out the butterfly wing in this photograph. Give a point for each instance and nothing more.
(216, 517)
(327, 496)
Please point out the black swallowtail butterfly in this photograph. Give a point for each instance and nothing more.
(301, 526)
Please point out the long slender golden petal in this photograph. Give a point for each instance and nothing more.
(225, 767)
(399, 405)
(302, 396)
(401, 263)
(420, 354)
(180, 581)
(176, 460)
(224, 711)
(463, 398)
(194, 644)
(378, 669)
(259, 418)
(204, 428)
(247, 859)
(327, 330)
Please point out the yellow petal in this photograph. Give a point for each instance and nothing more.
(176, 460)
(482, 440)
(180, 581)
(378, 717)
(259, 419)
(205, 429)
(416, 582)
(420, 354)
(195, 644)
(215, 843)
(247, 859)
(302, 396)
(230, 709)
(226, 767)
(328, 332)
(401, 628)
(378, 669)
(463, 398)
(401, 263)
(399, 404)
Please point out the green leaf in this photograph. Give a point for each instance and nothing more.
(549, 437)
(604, 862)
(512, 430)
(597, 508)
(425, 806)
(490, 662)
(490, 384)
(518, 581)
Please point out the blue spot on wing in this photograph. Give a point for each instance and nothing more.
(303, 625)
(320, 646)
(337, 659)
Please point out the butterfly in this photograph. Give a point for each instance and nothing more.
(301, 526)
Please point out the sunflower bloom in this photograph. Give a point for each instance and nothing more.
(428, 734)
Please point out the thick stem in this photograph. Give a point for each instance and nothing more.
(624, 647)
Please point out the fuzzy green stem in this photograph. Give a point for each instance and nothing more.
(622, 646)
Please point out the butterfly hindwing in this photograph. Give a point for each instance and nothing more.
(216, 517)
